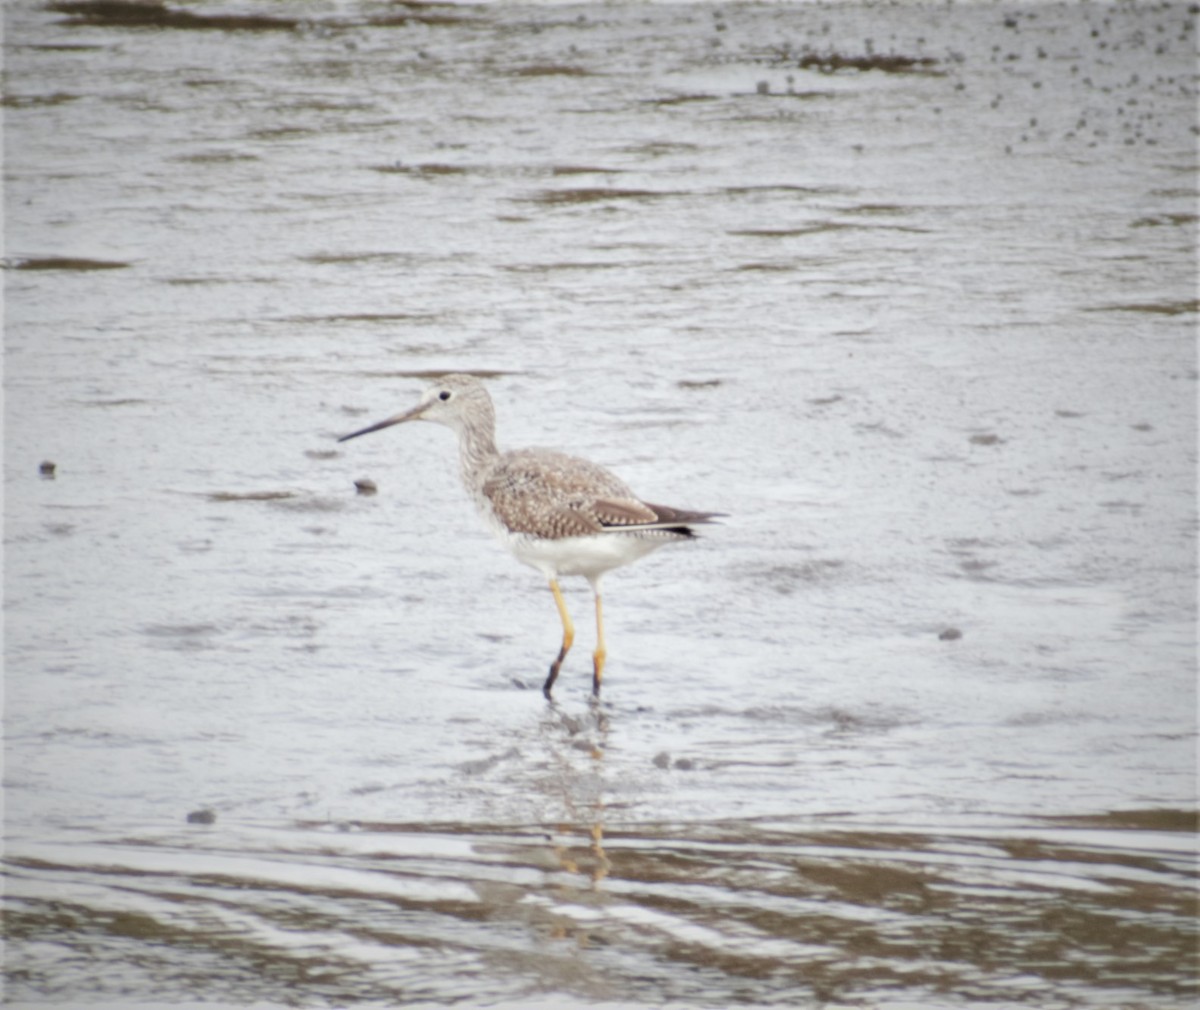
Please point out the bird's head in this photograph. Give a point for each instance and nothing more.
(454, 400)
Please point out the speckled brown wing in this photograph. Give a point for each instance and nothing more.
(618, 512)
(552, 495)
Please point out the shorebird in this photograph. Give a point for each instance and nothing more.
(557, 513)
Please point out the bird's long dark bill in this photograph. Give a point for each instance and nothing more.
(408, 415)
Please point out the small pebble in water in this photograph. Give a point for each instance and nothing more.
(949, 634)
(202, 817)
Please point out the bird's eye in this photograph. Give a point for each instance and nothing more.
(445, 394)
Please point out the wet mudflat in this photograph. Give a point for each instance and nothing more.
(908, 291)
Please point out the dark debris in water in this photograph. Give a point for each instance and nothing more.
(1153, 819)
(1158, 220)
(595, 194)
(663, 761)
(149, 14)
(250, 495)
(683, 99)
(339, 258)
(155, 14)
(63, 263)
(119, 402)
(550, 70)
(830, 62)
(1152, 308)
(584, 170)
(384, 318)
(888, 64)
(31, 101)
(425, 168)
(766, 267)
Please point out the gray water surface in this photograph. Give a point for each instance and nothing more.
(908, 291)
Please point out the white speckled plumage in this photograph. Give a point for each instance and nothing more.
(557, 513)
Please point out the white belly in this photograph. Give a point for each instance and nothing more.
(590, 556)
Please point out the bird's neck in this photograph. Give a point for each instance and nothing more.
(476, 449)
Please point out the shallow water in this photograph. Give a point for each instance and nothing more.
(924, 329)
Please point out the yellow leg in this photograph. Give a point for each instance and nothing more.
(568, 636)
(601, 653)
